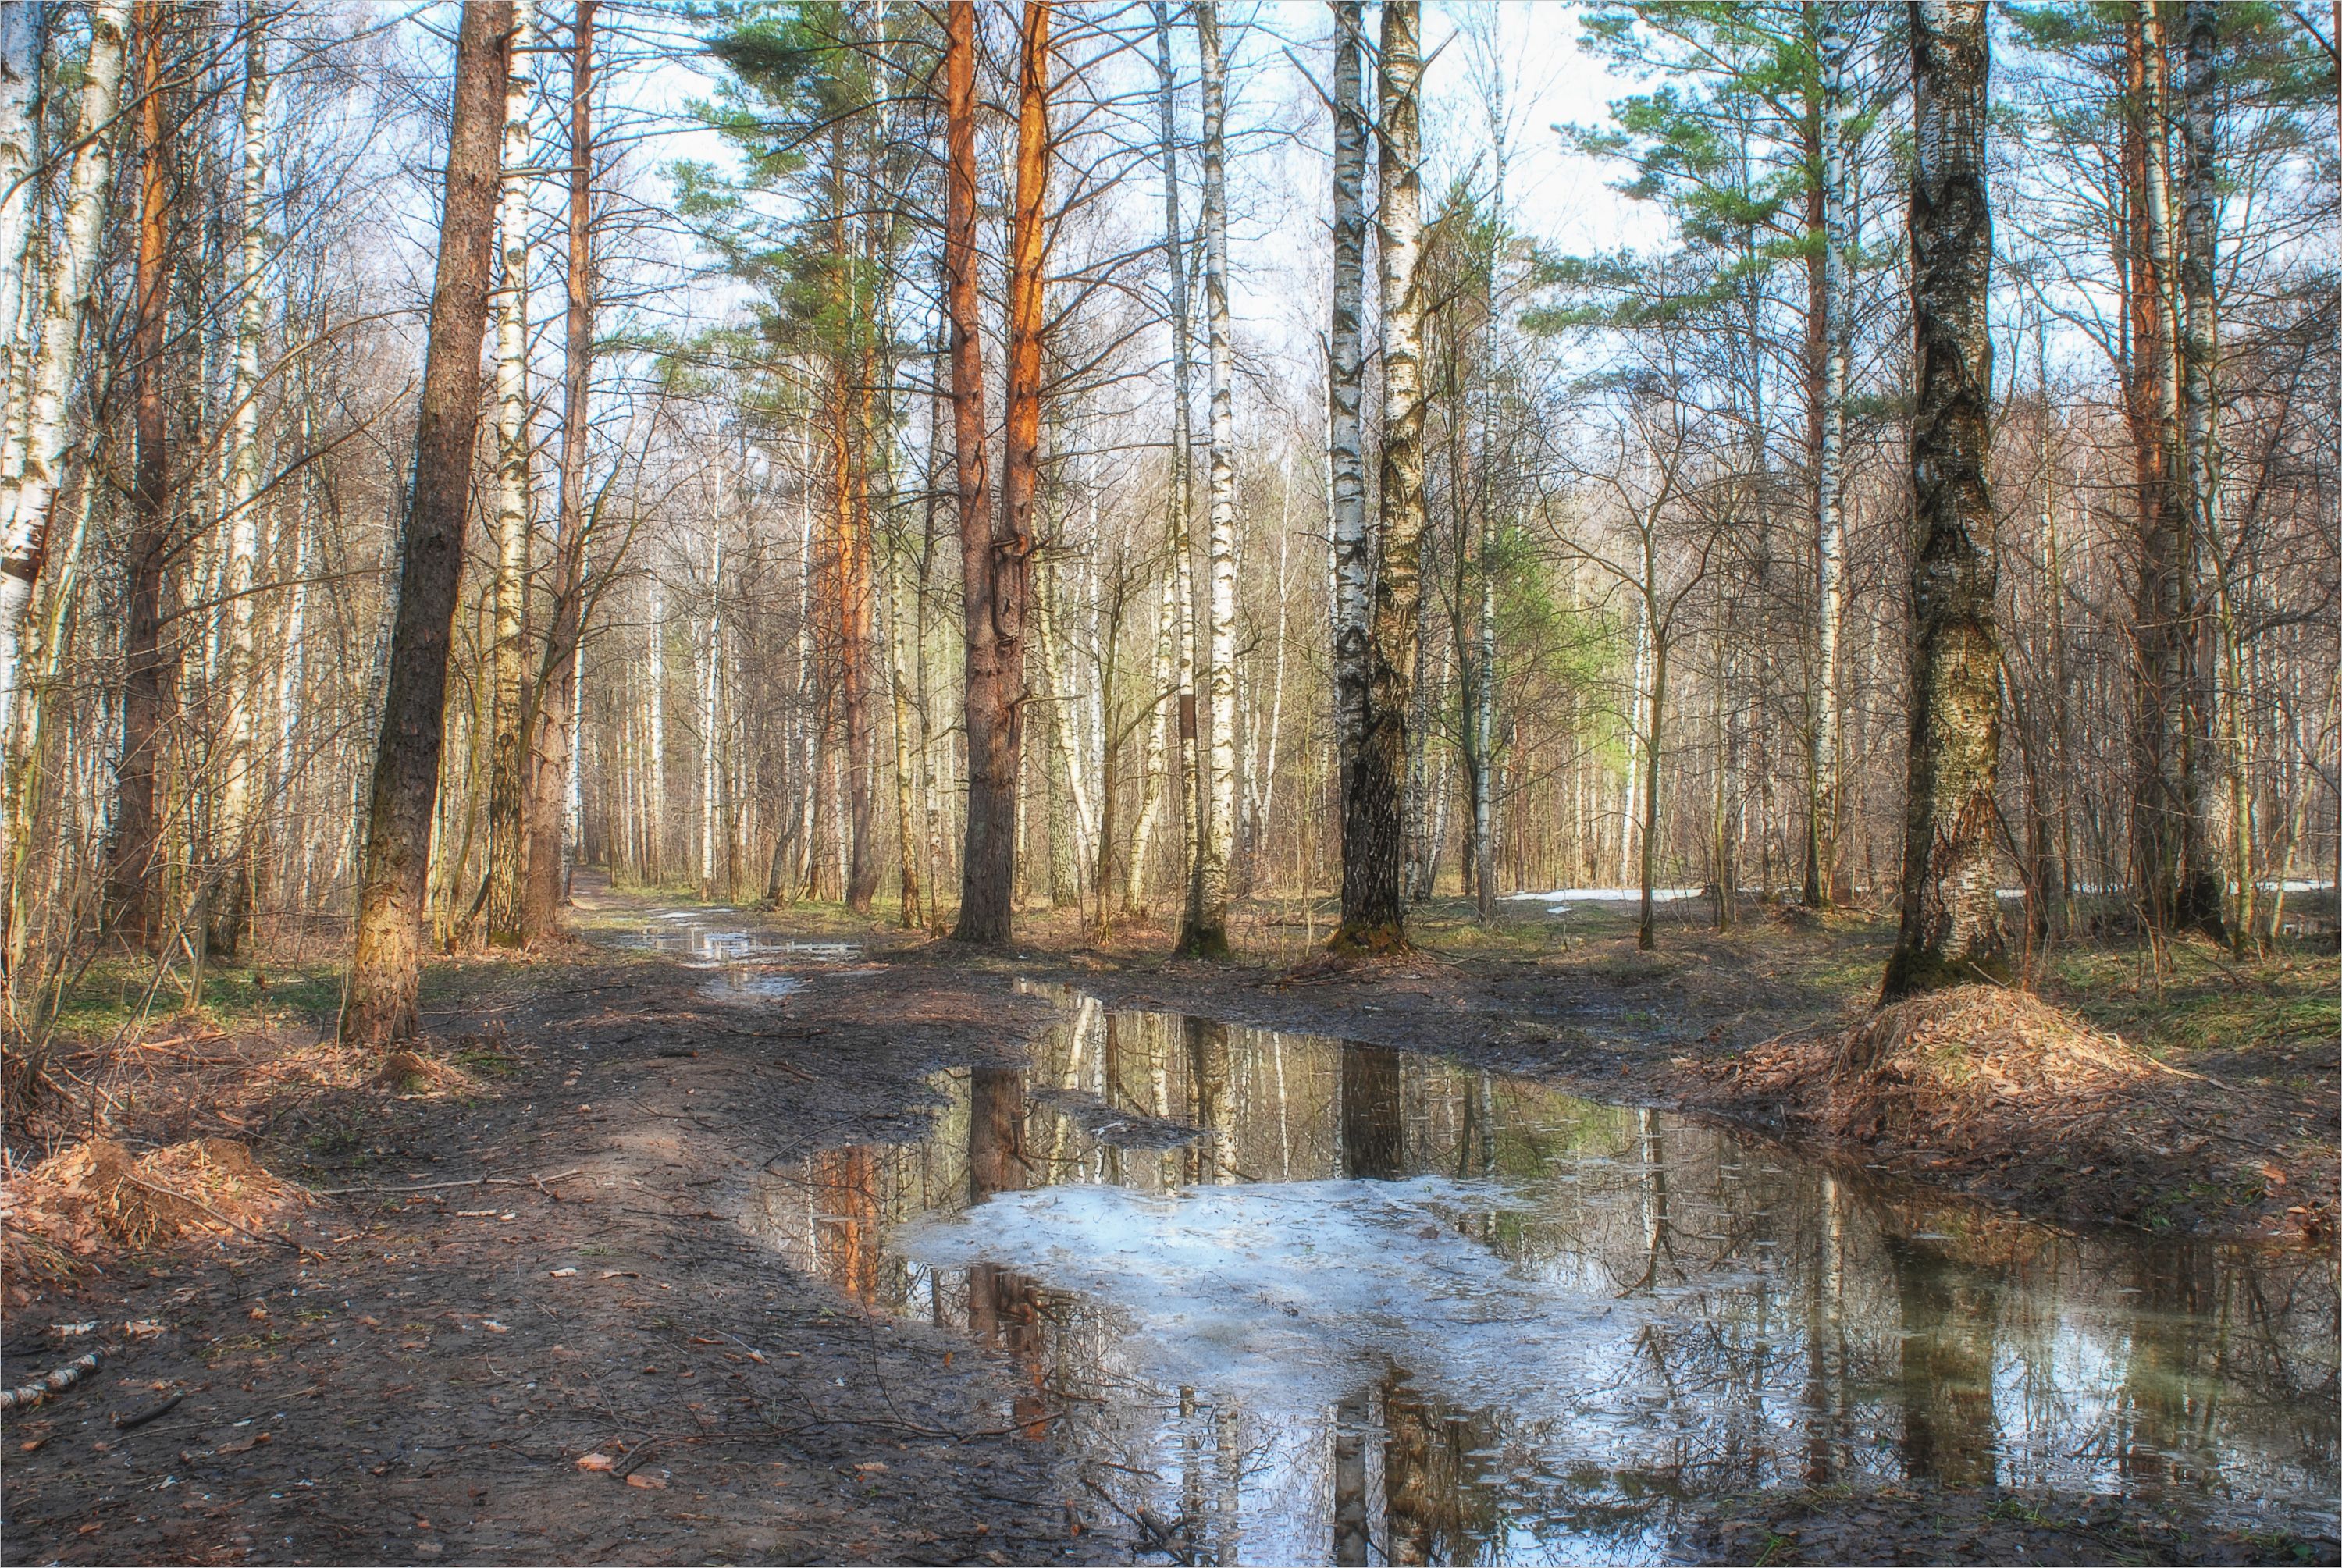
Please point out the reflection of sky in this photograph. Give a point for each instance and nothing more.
(1563, 1318)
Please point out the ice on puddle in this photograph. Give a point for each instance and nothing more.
(1284, 1296)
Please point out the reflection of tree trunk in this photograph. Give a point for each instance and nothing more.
(1410, 1495)
(1658, 1233)
(1948, 1326)
(846, 1207)
(1004, 1307)
(1214, 1107)
(1374, 1132)
(2161, 1416)
(1352, 1525)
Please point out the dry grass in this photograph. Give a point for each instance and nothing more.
(61, 1216)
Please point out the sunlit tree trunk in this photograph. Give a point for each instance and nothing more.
(553, 796)
(239, 678)
(147, 676)
(1205, 934)
(1373, 837)
(996, 553)
(507, 766)
(386, 969)
(1950, 931)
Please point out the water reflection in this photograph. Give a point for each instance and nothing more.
(1292, 1299)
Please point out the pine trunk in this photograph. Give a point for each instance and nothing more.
(148, 675)
(386, 970)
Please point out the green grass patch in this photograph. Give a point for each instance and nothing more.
(116, 993)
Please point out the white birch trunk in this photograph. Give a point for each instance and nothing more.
(506, 785)
(25, 527)
(1353, 560)
(20, 80)
(240, 570)
(1208, 930)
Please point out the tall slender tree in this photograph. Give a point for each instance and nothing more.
(1206, 932)
(232, 895)
(553, 795)
(379, 1007)
(1950, 932)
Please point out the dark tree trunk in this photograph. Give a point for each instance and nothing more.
(1951, 926)
(386, 969)
(148, 671)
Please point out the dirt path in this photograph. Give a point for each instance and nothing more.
(421, 1380)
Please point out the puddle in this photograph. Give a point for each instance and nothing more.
(1289, 1298)
(755, 966)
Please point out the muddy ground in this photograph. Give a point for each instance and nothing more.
(557, 1261)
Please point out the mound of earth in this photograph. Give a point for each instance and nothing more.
(2013, 1099)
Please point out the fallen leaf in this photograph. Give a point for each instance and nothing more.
(647, 1483)
(872, 1466)
(492, 1326)
(29, 1446)
(563, 1274)
(246, 1445)
(596, 1462)
(2276, 1176)
(370, 1322)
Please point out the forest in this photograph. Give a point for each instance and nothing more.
(1510, 779)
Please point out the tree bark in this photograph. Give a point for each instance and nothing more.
(1373, 837)
(508, 763)
(1950, 932)
(1345, 394)
(552, 767)
(2199, 402)
(2172, 864)
(387, 968)
(1206, 932)
(21, 30)
(148, 672)
(232, 889)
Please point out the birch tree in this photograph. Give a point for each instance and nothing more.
(1950, 931)
(1206, 935)
(507, 782)
(29, 494)
(231, 899)
(1374, 839)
